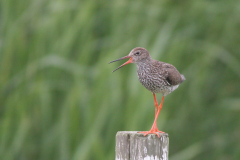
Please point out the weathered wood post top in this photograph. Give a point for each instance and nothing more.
(131, 145)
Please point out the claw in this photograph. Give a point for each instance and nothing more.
(151, 132)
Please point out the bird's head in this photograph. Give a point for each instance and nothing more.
(136, 55)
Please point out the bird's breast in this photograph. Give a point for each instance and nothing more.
(154, 82)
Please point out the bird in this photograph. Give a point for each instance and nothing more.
(155, 76)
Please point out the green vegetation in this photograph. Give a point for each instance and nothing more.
(59, 99)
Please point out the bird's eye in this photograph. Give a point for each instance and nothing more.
(137, 53)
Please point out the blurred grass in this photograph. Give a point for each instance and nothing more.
(59, 99)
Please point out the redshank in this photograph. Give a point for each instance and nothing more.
(156, 76)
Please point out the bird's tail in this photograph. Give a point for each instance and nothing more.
(183, 78)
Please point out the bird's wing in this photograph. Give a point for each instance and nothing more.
(171, 74)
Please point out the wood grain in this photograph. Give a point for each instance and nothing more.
(131, 145)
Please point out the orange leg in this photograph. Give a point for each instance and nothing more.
(156, 103)
(154, 129)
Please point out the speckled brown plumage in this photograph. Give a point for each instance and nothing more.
(156, 76)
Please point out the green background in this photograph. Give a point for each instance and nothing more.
(59, 99)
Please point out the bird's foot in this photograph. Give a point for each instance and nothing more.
(152, 132)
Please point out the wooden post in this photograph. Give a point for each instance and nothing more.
(131, 145)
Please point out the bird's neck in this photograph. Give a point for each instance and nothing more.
(144, 64)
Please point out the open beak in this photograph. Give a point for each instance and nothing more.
(129, 61)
